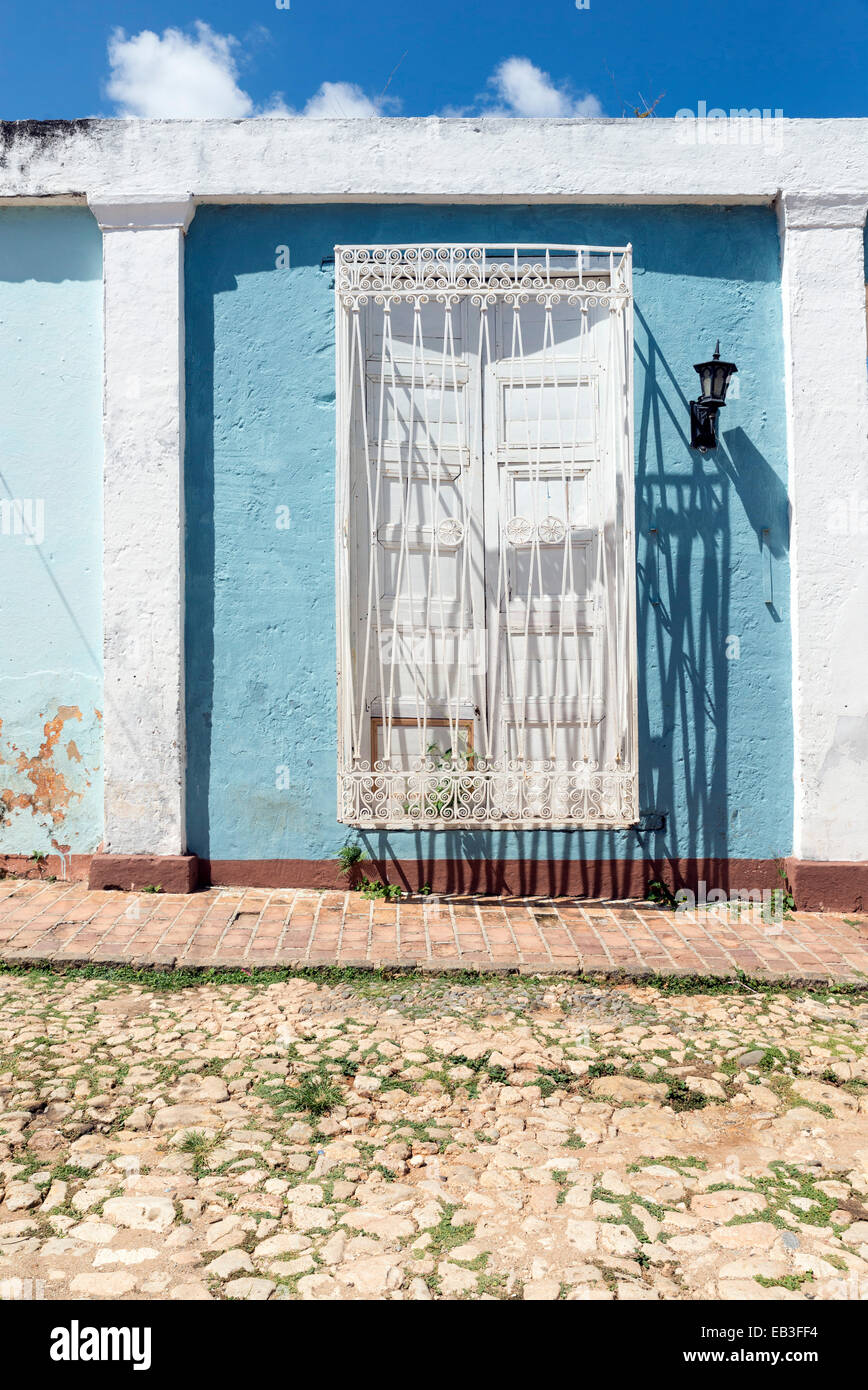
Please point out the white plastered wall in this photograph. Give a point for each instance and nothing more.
(143, 520)
(827, 402)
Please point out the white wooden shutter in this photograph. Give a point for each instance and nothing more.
(485, 537)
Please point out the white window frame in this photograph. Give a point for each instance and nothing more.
(488, 784)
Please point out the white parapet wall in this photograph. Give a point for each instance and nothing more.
(814, 171)
(587, 160)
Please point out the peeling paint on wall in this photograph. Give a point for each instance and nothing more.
(50, 793)
(50, 782)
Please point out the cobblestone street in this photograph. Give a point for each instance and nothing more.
(426, 1136)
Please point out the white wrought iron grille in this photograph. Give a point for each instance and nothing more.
(486, 645)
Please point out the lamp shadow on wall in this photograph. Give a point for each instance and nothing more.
(682, 531)
(765, 502)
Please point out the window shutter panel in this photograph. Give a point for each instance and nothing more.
(485, 538)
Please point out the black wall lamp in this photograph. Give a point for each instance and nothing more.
(714, 378)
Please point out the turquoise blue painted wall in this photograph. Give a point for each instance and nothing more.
(716, 735)
(51, 579)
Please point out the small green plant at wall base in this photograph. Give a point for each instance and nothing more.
(38, 857)
(783, 897)
(658, 892)
(349, 856)
(152, 888)
(374, 891)
(779, 906)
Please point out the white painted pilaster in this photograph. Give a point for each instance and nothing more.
(143, 523)
(827, 401)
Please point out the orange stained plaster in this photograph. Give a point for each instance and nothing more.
(51, 792)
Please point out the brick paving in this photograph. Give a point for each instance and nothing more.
(65, 923)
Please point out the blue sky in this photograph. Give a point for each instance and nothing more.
(241, 57)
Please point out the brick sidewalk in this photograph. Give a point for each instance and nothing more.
(66, 923)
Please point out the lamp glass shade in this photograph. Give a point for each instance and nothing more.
(714, 377)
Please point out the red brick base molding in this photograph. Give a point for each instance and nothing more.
(173, 873)
(820, 886)
(74, 867)
(833, 887)
(581, 878)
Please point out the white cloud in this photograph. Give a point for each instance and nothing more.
(341, 99)
(525, 90)
(176, 74)
(196, 75)
(189, 75)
